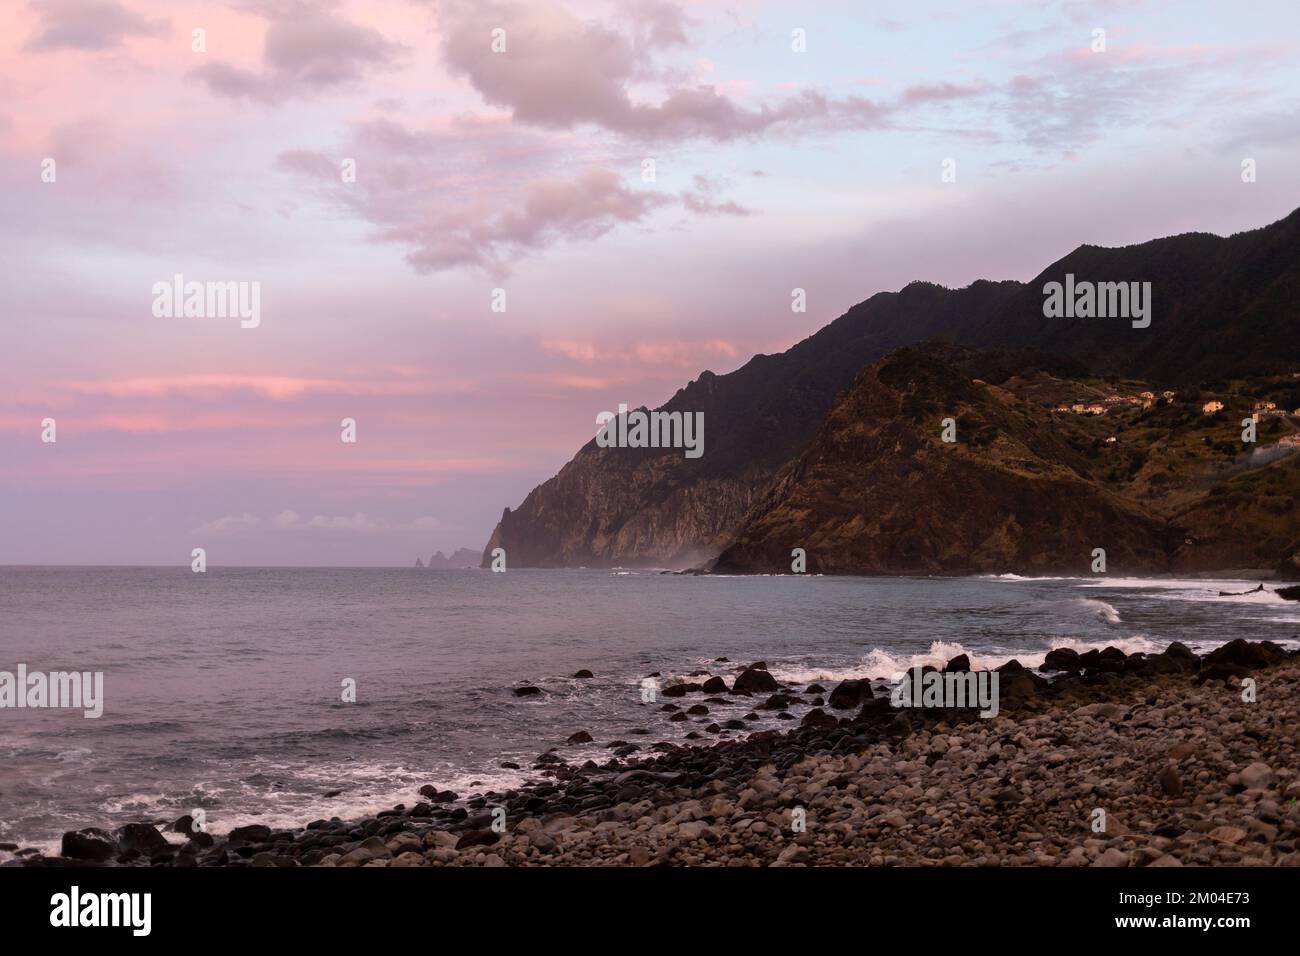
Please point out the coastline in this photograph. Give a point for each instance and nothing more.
(1184, 771)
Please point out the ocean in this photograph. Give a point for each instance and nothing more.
(223, 691)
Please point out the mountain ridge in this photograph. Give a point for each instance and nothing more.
(1221, 306)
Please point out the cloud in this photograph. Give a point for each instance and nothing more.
(558, 71)
(88, 25)
(585, 207)
(449, 193)
(439, 193)
(675, 354)
(305, 52)
(702, 201)
(277, 387)
(290, 521)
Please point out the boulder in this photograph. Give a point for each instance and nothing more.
(755, 680)
(584, 674)
(714, 685)
(90, 843)
(477, 838)
(818, 718)
(1243, 653)
(1061, 659)
(142, 837)
(253, 833)
(850, 693)
(959, 663)
(581, 737)
(527, 690)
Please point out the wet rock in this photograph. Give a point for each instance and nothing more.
(143, 837)
(959, 663)
(253, 833)
(850, 693)
(584, 675)
(90, 843)
(528, 690)
(1061, 659)
(755, 680)
(1242, 653)
(581, 737)
(818, 718)
(714, 685)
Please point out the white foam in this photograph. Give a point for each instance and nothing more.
(1101, 609)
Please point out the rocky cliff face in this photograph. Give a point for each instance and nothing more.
(879, 492)
(1221, 306)
(656, 508)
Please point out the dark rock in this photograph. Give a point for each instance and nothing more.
(1018, 687)
(697, 710)
(143, 837)
(253, 833)
(714, 685)
(959, 663)
(775, 702)
(477, 838)
(1170, 781)
(581, 737)
(584, 675)
(527, 691)
(850, 693)
(1242, 653)
(818, 718)
(755, 681)
(1061, 659)
(815, 689)
(90, 843)
(682, 689)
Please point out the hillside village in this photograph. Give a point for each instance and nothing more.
(1222, 403)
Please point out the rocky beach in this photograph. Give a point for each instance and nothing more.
(1095, 759)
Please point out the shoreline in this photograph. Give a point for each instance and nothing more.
(1184, 771)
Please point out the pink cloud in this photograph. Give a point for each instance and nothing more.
(306, 50)
(278, 387)
(88, 25)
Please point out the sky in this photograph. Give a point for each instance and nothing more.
(449, 214)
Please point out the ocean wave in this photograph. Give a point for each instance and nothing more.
(1100, 609)
(1025, 577)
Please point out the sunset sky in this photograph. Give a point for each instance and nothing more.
(522, 170)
